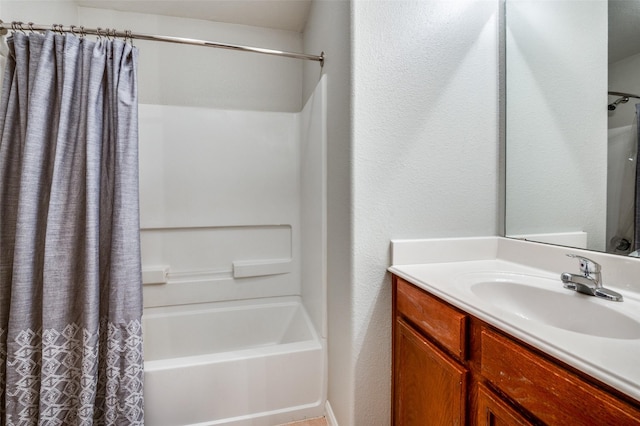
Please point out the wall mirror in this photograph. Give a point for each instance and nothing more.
(572, 84)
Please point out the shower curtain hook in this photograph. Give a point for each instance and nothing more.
(17, 26)
(83, 32)
(109, 33)
(128, 35)
(31, 27)
(98, 33)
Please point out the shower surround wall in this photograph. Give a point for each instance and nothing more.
(219, 192)
(233, 208)
(232, 204)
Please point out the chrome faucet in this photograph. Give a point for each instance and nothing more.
(590, 282)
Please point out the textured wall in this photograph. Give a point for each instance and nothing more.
(424, 154)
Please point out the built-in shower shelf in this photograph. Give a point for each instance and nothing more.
(257, 268)
(155, 275)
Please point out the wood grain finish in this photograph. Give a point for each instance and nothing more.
(496, 378)
(430, 388)
(445, 324)
(492, 411)
(549, 392)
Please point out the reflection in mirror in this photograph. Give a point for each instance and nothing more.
(570, 160)
(624, 104)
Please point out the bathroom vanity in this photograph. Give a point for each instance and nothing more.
(469, 347)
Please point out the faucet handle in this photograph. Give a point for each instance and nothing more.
(587, 266)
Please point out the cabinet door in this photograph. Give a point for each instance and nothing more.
(429, 387)
(493, 411)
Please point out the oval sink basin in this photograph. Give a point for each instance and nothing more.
(560, 308)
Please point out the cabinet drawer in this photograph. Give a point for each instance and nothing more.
(546, 390)
(445, 324)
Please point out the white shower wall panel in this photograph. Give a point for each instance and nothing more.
(313, 205)
(200, 262)
(204, 167)
(219, 190)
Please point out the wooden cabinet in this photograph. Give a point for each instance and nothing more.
(547, 390)
(431, 389)
(434, 318)
(450, 368)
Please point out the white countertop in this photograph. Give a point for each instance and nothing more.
(440, 267)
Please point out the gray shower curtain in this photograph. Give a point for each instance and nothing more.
(70, 279)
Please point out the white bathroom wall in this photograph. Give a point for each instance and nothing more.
(556, 132)
(39, 11)
(172, 74)
(412, 152)
(425, 121)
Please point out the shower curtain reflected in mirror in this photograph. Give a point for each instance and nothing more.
(622, 189)
(70, 279)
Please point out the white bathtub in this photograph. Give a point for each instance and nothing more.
(257, 363)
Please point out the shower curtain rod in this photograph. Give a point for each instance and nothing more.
(625, 95)
(112, 33)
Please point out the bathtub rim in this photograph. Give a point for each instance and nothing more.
(236, 355)
(223, 305)
(311, 344)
